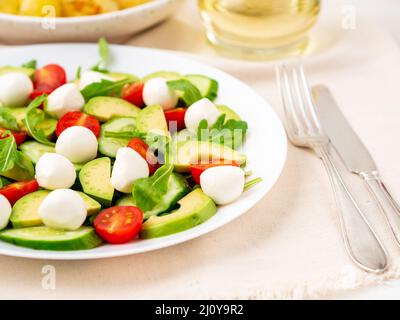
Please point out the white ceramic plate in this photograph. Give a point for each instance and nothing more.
(116, 26)
(265, 147)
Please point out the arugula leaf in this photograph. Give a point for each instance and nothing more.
(104, 88)
(231, 133)
(104, 52)
(149, 192)
(30, 64)
(123, 134)
(252, 183)
(33, 118)
(78, 73)
(190, 93)
(7, 120)
(9, 154)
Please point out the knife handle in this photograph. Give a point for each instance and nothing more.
(388, 205)
(361, 242)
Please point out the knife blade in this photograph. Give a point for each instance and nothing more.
(354, 154)
(352, 150)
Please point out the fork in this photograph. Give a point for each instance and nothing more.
(304, 130)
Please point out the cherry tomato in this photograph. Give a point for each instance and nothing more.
(143, 149)
(77, 118)
(48, 79)
(15, 191)
(19, 136)
(176, 115)
(198, 169)
(118, 225)
(133, 93)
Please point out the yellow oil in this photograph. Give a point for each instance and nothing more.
(261, 27)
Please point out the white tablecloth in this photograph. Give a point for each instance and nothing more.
(289, 245)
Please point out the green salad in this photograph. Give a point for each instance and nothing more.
(109, 157)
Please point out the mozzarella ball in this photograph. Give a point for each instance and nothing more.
(15, 89)
(157, 92)
(90, 77)
(223, 184)
(202, 109)
(5, 211)
(54, 171)
(128, 167)
(78, 144)
(63, 209)
(64, 99)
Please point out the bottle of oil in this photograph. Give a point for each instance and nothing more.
(263, 28)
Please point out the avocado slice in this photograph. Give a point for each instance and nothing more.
(168, 75)
(110, 146)
(184, 154)
(45, 238)
(7, 69)
(25, 211)
(229, 113)
(105, 108)
(194, 209)
(151, 120)
(95, 178)
(21, 174)
(118, 76)
(126, 200)
(48, 125)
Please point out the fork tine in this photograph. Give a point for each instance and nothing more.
(308, 99)
(292, 119)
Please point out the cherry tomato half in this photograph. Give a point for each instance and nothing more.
(143, 149)
(48, 79)
(176, 116)
(15, 191)
(133, 93)
(118, 225)
(19, 136)
(198, 169)
(77, 118)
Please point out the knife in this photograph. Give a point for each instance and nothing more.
(354, 154)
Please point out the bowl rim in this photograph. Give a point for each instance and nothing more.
(154, 4)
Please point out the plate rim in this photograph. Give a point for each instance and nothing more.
(174, 239)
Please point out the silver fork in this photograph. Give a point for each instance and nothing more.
(304, 130)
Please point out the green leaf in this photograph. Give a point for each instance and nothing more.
(104, 53)
(252, 183)
(9, 154)
(104, 88)
(148, 192)
(230, 134)
(123, 134)
(33, 118)
(7, 120)
(78, 73)
(189, 93)
(30, 64)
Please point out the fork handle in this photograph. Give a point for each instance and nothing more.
(360, 240)
(387, 203)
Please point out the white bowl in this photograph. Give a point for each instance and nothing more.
(115, 26)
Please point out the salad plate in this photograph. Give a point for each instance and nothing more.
(265, 146)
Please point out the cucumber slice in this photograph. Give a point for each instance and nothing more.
(95, 178)
(208, 87)
(34, 150)
(177, 189)
(126, 200)
(105, 108)
(45, 238)
(168, 75)
(110, 146)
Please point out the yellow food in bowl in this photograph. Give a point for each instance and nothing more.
(65, 8)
